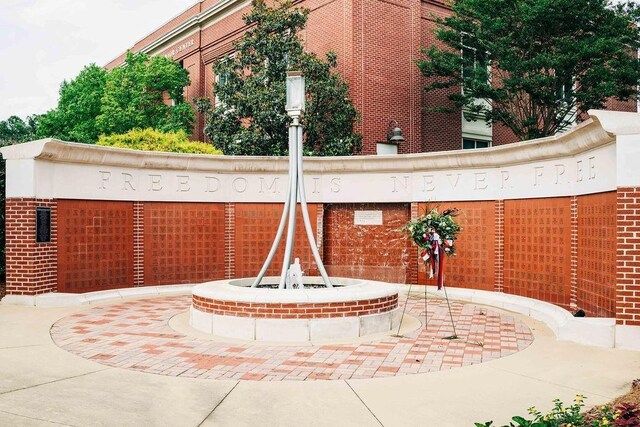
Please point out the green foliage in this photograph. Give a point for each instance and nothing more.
(250, 117)
(571, 416)
(134, 96)
(550, 60)
(154, 140)
(4, 141)
(443, 223)
(78, 106)
(14, 130)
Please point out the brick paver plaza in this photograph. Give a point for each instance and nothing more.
(136, 334)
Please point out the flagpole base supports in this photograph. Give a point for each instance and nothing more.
(452, 337)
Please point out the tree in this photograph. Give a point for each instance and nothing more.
(78, 106)
(534, 65)
(137, 95)
(12, 131)
(15, 130)
(249, 116)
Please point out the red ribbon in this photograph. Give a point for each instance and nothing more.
(438, 251)
(440, 270)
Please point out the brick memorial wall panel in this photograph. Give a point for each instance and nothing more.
(255, 228)
(537, 249)
(95, 245)
(596, 287)
(473, 265)
(377, 252)
(183, 243)
(31, 266)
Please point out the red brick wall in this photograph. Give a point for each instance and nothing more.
(377, 43)
(537, 249)
(499, 248)
(296, 310)
(378, 252)
(255, 228)
(168, 26)
(596, 269)
(440, 131)
(614, 104)
(628, 253)
(95, 249)
(474, 265)
(560, 250)
(138, 243)
(184, 242)
(327, 30)
(30, 266)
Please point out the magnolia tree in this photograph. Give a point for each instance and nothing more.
(534, 65)
(248, 115)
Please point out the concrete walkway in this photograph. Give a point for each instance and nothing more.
(42, 384)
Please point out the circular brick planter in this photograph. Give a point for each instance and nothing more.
(231, 308)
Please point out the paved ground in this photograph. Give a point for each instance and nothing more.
(43, 384)
(137, 335)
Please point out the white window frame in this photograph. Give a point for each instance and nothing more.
(475, 139)
(474, 127)
(216, 101)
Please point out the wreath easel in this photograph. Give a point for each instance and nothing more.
(435, 234)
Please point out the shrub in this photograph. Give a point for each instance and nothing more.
(154, 140)
(623, 414)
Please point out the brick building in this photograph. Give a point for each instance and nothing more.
(376, 42)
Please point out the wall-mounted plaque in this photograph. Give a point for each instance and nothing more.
(367, 217)
(43, 224)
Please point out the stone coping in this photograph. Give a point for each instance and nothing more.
(595, 331)
(600, 332)
(584, 137)
(239, 290)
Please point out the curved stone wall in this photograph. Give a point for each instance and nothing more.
(554, 219)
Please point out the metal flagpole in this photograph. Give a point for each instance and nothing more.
(295, 191)
(305, 214)
(293, 203)
(283, 221)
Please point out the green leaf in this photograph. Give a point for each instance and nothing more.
(549, 60)
(249, 117)
(521, 421)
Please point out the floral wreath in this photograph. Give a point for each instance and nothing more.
(434, 233)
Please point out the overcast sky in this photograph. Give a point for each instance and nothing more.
(43, 42)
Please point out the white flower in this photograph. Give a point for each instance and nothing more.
(428, 216)
(442, 224)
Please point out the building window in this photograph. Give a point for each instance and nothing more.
(564, 90)
(474, 61)
(221, 80)
(476, 133)
(470, 144)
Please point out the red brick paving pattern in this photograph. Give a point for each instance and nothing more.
(136, 335)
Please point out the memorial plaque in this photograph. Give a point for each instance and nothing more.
(367, 217)
(43, 224)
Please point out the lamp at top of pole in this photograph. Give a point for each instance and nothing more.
(295, 94)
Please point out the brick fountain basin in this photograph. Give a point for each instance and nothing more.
(353, 308)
